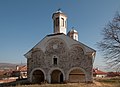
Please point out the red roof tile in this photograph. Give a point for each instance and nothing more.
(98, 72)
(23, 68)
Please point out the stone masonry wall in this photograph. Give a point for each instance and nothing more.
(68, 57)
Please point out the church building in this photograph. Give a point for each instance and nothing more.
(60, 57)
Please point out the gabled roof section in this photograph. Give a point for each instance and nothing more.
(86, 47)
(55, 34)
(69, 41)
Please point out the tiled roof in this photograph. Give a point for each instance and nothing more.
(22, 68)
(2, 72)
(7, 80)
(98, 72)
(112, 74)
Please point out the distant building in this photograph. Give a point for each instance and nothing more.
(60, 57)
(99, 73)
(2, 72)
(20, 72)
(113, 74)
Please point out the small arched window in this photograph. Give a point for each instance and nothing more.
(57, 21)
(55, 60)
(62, 22)
(54, 23)
(75, 37)
(71, 36)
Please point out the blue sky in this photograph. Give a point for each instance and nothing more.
(23, 23)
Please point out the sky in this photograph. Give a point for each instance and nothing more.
(23, 23)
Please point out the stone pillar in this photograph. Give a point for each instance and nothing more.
(89, 69)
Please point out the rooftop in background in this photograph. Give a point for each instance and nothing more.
(98, 72)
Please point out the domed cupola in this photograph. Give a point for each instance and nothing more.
(59, 22)
(73, 34)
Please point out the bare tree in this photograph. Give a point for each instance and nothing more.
(110, 44)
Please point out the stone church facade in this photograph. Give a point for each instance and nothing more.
(60, 57)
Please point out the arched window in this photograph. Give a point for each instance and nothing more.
(55, 60)
(54, 23)
(75, 37)
(57, 21)
(62, 22)
(65, 24)
(71, 36)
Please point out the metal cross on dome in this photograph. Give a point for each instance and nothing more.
(59, 9)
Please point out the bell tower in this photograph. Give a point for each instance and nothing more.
(59, 22)
(73, 34)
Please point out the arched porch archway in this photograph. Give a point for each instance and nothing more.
(37, 76)
(76, 74)
(56, 75)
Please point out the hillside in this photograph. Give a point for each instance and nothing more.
(9, 65)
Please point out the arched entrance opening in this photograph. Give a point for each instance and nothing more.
(37, 76)
(56, 76)
(76, 75)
